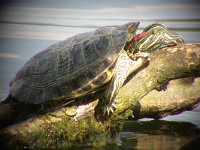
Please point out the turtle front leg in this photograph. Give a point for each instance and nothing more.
(123, 67)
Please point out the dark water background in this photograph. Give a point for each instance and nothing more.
(27, 28)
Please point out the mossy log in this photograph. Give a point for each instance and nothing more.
(169, 83)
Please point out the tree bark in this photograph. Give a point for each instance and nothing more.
(169, 83)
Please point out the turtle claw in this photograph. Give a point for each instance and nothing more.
(108, 111)
(111, 108)
(103, 112)
(113, 105)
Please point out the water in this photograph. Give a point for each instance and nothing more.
(159, 134)
(25, 31)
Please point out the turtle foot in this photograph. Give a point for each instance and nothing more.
(110, 109)
(103, 112)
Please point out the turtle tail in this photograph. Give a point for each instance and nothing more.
(7, 100)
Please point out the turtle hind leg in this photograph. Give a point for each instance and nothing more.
(7, 100)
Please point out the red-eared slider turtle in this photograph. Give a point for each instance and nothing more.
(81, 64)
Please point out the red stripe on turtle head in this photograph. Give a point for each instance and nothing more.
(139, 36)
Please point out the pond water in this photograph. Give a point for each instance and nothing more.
(24, 33)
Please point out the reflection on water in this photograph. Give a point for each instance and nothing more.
(158, 134)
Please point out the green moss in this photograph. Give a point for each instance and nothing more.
(68, 133)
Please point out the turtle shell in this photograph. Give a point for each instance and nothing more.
(71, 68)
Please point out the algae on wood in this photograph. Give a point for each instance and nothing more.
(167, 84)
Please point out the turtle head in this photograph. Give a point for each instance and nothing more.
(155, 36)
(151, 39)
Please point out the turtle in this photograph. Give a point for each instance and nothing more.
(81, 64)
